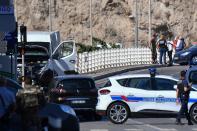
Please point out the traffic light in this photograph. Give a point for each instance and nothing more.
(12, 40)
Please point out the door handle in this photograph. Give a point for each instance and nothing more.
(160, 96)
(72, 61)
(131, 95)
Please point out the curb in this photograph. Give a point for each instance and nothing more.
(125, 70)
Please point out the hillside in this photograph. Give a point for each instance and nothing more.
(110, 18)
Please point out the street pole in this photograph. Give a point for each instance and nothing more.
(91, 22)
(50, 17)
(150, 22)
(23, 34)
(136, 24)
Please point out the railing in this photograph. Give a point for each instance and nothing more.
(108, 58)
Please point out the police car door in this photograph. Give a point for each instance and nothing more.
(139, 94)
(166, 95)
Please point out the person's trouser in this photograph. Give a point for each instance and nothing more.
(183, 110)
(154, 56)
(162, 55)
(170, 57)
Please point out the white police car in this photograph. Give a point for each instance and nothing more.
(125, 94)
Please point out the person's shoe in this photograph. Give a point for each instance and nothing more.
(178, 122)
(190, 123)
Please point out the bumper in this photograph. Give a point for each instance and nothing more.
(179, 59)
(101, 112)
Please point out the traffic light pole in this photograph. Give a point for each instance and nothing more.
(23, 31)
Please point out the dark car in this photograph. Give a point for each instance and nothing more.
(183, 57)
(77, 91)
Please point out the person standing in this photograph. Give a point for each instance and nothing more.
(162, 46)
(153, 47)
(170, 50)
(180, 44)
(175, 42)
(182, 97)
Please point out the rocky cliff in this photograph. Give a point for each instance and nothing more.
(110, 18)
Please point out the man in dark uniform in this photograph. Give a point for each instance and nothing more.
(153, 48)
(182, 95)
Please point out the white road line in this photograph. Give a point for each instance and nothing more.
(133, 129)
(154, 127)
(99, 130)
(194, 129)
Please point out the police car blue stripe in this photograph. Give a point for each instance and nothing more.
(116, 98)
(147, 99)
(192, 100)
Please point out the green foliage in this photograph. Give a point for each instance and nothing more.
(99, 41)
(87, 48)
(163, 29)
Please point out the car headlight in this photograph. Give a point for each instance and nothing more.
(185, 53)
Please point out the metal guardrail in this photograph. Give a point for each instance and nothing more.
(109, 58)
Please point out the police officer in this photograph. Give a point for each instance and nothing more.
(182, 95)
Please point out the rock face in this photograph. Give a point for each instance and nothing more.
(110, 18)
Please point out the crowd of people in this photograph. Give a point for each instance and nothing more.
(164, 46)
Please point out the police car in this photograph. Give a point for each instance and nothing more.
(123, 95)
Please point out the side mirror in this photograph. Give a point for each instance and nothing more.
(175, 87)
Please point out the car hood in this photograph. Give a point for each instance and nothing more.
(192, 49)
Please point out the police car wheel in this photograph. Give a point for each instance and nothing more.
(193, 113)
(118, 113)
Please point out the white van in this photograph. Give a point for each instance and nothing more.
(45, 51)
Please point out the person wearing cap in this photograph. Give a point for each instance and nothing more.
(182, 97)
(153, 48)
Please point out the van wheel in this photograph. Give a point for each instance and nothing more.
(118, 113)
(193, 113)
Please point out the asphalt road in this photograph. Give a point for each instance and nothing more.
(155, 122)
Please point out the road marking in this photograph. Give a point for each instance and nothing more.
(133, 129)
(99, 130)
(194, 129)
(154, 127)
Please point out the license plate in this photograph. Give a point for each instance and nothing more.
(78, 101)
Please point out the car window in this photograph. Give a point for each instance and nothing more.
(139, 83)
(193, 77)
(123, 82)
(165, 84)
(77, 84)
(107, 84)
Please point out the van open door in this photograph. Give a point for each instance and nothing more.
(64, 57)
